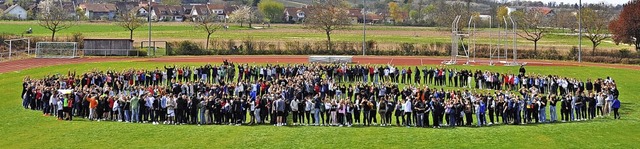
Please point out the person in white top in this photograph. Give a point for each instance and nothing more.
(294, 111)
(600, 103)
(408, 108)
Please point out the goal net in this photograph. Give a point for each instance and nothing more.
(56, 49)
(330, 59)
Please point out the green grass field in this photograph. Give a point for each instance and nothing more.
(385, 36)
(21, 128)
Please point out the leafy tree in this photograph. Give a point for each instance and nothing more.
(594, 25)
(396, 12)
(327, 16)
(502, 12)
(53, 17)
(271, 9)
(130, 22)
(8, 2)
(241, 15)
(626, 28)
(209, 24)
(80, 12)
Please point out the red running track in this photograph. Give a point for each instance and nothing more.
(396, 60)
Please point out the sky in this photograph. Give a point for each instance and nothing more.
(614, 2)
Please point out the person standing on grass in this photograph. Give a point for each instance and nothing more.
(356, 110)
(308, 107)
(420, 108)
(552, 107)
(408, 110)
(342, 112)
(480, 113)
(382, 109)
(600, 103)
(316, 114)
(126, 106)
(451, 114)
(616, 105)
(592, 106)
(60, 106)
(399, 113)
(171, 106)
(566, 108)
(45, 102)
(135, 108)
(93, 104)
(294, 110)
(280, 107)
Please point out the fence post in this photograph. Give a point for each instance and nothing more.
(10, 45)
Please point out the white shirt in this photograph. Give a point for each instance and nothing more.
(407, 107)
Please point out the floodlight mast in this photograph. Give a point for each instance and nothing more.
(515, 50)
(364, 26)
(580, 30)
(149, 20)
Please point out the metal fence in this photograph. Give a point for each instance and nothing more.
(111, 52)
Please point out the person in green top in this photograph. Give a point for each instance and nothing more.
(66, 109)
(135, 107)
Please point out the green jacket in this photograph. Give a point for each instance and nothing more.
(135, 102)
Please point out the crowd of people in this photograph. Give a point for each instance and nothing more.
(319, 95)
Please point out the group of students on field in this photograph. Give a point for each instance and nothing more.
(319, 94)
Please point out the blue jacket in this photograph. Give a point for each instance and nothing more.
(616, 103)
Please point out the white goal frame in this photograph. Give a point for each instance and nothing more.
(40, 48)
(9, 43)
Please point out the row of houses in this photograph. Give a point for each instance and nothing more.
(110, 11)
(297, 15)
(158, 12)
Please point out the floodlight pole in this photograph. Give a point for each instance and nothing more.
(580, 30)
(364, 27)
(149, 20)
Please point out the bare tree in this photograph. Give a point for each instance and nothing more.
(209, 24)
(531, 23)
(565, 20)
(327, 16)
(54, 17)
(130, 21)
(445, 13)
(594, 23)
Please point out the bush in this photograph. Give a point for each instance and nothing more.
(138, 53)
(250, 47)
(407, 48)
(189, 48)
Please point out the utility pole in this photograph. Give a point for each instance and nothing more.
(149, 20)
(364, 27)
(580, 30)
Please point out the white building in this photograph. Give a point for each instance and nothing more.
(16, 11)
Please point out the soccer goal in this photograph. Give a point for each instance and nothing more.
(56, 49)
(15, 47)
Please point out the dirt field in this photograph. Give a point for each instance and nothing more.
(396, 60)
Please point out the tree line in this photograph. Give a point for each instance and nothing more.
(328, 16)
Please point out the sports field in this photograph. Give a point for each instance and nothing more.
(29, 129)
(385, 36)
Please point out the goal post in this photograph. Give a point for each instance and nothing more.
(16, 47)
(56, 50)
